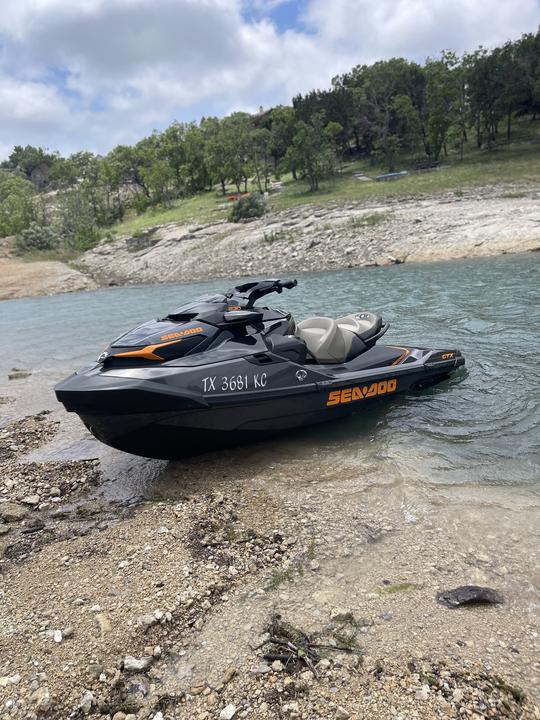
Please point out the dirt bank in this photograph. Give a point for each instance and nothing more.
(312, 238)
(25, 279)
(157, 600)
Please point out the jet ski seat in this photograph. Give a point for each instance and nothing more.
(337, 341)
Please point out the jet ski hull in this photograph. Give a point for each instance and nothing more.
(185, 408)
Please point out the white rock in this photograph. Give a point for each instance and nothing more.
(133, 664)
(278, 666)
(31, 500)
(86, 702)
(228, 712)
(342, 714)
(41, 698)
(57, 636)
(422, 693)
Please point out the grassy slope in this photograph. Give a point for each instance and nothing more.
(508, 165)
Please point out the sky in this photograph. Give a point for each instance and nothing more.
(90, 74)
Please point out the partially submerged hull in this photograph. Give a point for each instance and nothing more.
(190, 406)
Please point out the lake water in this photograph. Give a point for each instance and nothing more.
(482, 426)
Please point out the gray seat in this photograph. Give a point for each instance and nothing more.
(362, 324)
(336, 341)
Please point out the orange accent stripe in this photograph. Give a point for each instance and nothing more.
(404, 356)
(148, 352)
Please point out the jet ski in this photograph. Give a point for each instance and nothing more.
(225, 370)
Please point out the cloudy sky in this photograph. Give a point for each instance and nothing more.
(93, 73)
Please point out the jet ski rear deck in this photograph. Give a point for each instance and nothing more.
(223, 371)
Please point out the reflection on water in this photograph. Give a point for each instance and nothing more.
(481, 426)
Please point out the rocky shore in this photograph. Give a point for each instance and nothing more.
(167, 603)
(475, 223)
(311, 237)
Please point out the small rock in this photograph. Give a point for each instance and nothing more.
(457, 695)
(342, 714)
(278, 666)
(422, 693)
(119, 716)
(262, 668)
(86, 702)
(341, 615)
(146, 621)
(12, 512)
(57, 636)
(133, 664)
(104, 624)
(41, 699)
(31, 500)
(228, 712)
(470, 595)
(314, 565)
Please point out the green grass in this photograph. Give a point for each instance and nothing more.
(396, 588)
(519, 163)
(504, 166)
(202, 208)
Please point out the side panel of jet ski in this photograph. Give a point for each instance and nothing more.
(171, 411)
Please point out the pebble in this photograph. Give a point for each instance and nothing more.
(278, 666)
(228, 712)
(86, 702)
(57, 636)
(31, 500)
(133, 664)
(342, 714)
(340, 614)
(422, 693)
(104, 624)
(41, 699)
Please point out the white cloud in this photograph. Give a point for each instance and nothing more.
(92, 73)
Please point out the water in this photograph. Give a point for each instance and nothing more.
(482, 426)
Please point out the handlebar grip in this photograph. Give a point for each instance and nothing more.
(289, 284)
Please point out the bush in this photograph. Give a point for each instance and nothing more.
(249, 206)
(37, 237)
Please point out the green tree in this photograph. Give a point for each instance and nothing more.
(16, 203)
(312, 151)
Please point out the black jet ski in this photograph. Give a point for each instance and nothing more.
(224, 370)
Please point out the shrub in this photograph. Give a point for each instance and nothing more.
(248, 206)
(37, 237)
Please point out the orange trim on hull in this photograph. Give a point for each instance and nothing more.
(148, 352)
(404, 356)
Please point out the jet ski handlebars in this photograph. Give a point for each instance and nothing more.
(250, 292)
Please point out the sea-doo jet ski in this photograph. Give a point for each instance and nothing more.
(225, 370)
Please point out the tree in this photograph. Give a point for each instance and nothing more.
(312, 151)
(33, 162)
(16, 203)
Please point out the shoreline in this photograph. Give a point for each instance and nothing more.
(309, 238)
(171, 588)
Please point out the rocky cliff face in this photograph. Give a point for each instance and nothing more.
(312, 238)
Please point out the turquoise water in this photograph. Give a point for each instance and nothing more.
(481, 426)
